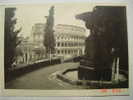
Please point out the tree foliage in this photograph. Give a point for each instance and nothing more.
(49, 40)
(11, 38)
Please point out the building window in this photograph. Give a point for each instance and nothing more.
(71, 44)
(80, 52)
(77, 38)
(68, 51)
(58, 51)
(62, 44)
(71, 51)
(62, 51)
(65, 51)
(75, 44)
(65, 44)
(58, 44)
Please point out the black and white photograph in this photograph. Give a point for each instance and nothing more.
(66, 46)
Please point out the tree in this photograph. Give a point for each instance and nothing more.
(11, 39)
(49, 40)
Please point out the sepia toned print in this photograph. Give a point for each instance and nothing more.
(66, 47)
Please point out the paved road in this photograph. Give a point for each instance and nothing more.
(43, 78)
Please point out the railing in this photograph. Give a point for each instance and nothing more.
(19, 70)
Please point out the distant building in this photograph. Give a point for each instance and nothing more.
(69, 43)
(69, 39)
(37, 33)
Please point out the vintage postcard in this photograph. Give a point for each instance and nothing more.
(64, 49)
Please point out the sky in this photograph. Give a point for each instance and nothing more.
(28, 15)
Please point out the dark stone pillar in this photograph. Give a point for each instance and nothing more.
(108, 40)
(96, 64)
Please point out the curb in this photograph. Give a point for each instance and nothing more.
(90, 83)
(66, 79)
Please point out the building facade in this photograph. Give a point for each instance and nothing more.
(37, 33)
(70, 40)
